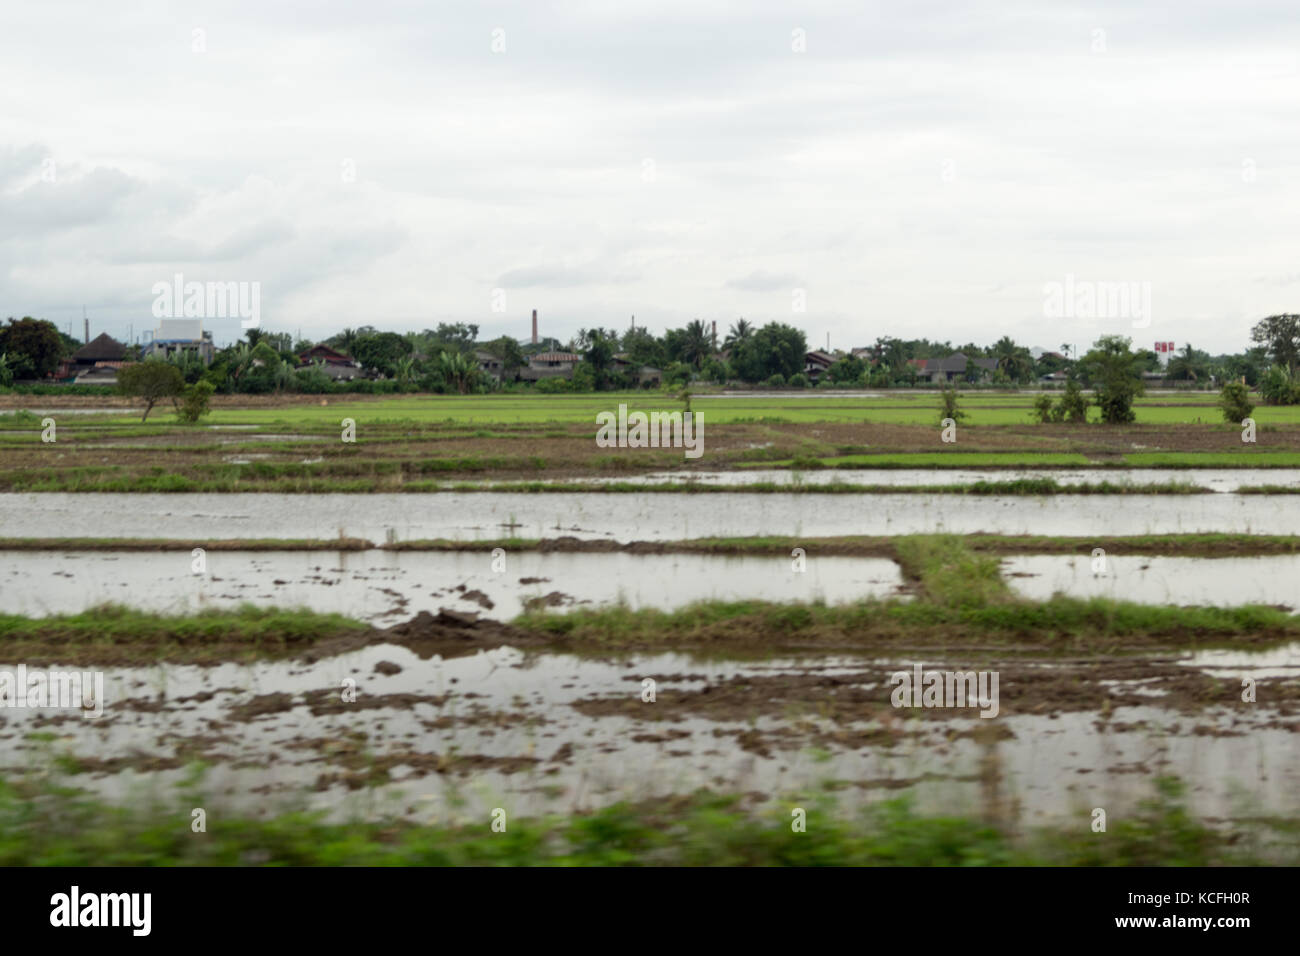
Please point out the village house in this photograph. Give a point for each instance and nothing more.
(954, 368)
(646, 376)
(815, 364)
(333, 363)
(549, 365)
(489, 365)
(180, 336)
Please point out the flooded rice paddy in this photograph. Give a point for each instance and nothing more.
(384, 587)
(1213, 479)
(433, 738)
(631, 516)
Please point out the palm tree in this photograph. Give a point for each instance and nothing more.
(456, 370)
(404, 369)
(1014, 360)
(697, 344)
(282, 375)
(738, 332)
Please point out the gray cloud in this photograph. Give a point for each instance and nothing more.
(921, 168)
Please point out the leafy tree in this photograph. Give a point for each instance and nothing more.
(846, 370)
(508, 351)
(458, 335)
(381, 351)
(33, 345)
(150, 381)
(643, 348)
(1281, 335)
(1115, 374)
(677, 373)
(1235, 402)
(775, 349)
(598, 352)
(1249, 365)
(6, 373)
(715, 371)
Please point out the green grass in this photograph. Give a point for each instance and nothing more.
(960, 597)
(54, 826)
(899, 407)
(117, 630)
(1248, 457)
(938, 459)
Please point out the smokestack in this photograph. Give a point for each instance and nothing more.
(534, 326)
(715, 335)
(87, 321)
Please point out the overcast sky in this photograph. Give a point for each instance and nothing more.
(919, 168)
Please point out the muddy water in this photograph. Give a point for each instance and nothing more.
(1272, 579)
(501, 729)
(630, 517)
(385, 587)
(1214, 479)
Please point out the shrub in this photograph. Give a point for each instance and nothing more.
(1235, 402)
(1045, 410)
(715, 371)
(194, 401)
(799, 380)
(1277, 388)
(677, 373)
(776, 381)
(553, 386)
(948, 408)
(1073, 407)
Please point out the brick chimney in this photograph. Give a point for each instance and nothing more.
(534, 326)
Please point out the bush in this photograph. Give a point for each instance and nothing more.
(715, 371)
(553, 386)
(194, 401)
(776, 381)
(1045, 410)
(677, 373)
(799, 380)
(1277, 388)
(1074, 404)
(311, 381)
(1235, 402)
(948, 407)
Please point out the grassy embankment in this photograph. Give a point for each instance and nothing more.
(57, 827)
(958, 599)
